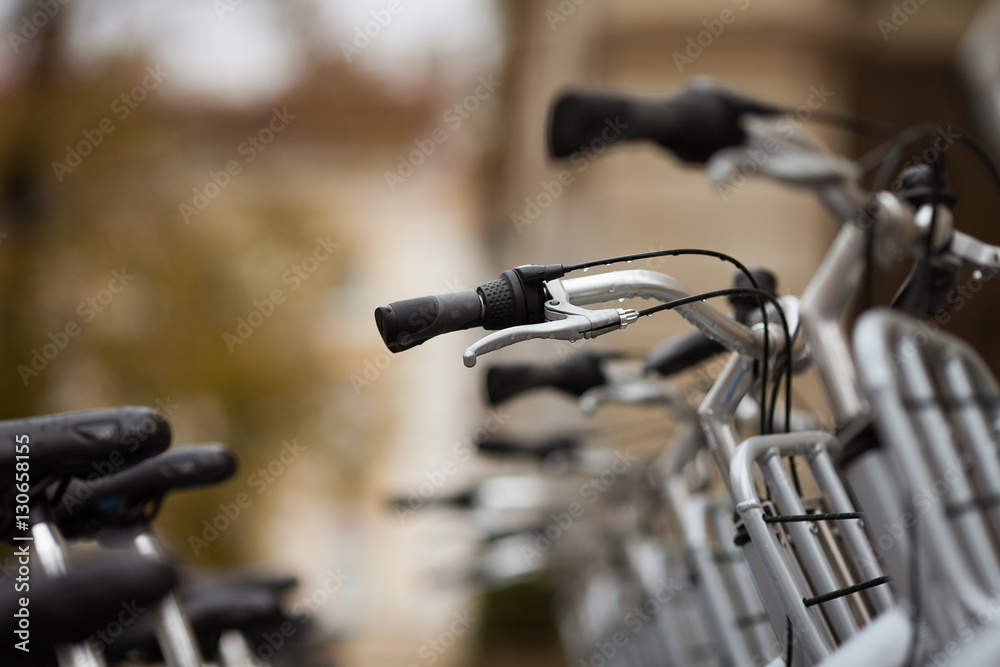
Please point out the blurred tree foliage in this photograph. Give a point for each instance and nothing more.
(159, 340)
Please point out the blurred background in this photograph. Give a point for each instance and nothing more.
(202, 202)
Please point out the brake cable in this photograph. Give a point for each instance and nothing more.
(584, 266)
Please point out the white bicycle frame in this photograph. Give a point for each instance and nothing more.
(816, 570)
(837, 622)
(725, 595)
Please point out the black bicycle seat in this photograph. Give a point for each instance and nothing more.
(124, 499)
(211, 610)
(79, 444)
(88, 599)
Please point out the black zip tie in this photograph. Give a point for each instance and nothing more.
(856, 588)
(792, 518)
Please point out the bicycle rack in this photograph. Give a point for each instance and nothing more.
(807, 565)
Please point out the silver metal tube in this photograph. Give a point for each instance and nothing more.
(768, 594)
(872, 481)
(853, 531)
(173, 630)
(649, 563)
(50, 551)
(78, 655)
(715, 414)
(823, 302)
(879, 357)
(235, 651)
(807, 543)
(761, 635)
(809, 635)
(721, 615)
(717, 409)
(961, 384)
(810, 632)
(653, 285)
(846, 200)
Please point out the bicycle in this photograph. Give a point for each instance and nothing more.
(809, 592)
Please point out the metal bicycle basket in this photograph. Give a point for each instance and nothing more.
(936, 412)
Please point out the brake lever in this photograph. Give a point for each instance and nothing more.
(796, 159)
(981, 255)
(564, 321)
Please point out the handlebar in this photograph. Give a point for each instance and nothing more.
(408, 323)
(681, 353)
(514, 298)
(574, 376)
(661, 287)
(560, 444)
(459, 500)
(694, 123)
(562, 317)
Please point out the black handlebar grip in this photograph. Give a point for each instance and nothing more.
(681, 353)
(573, 376)
(693, 123)
(406, 324)
(745, 306)
(560, 444)
(460, 500)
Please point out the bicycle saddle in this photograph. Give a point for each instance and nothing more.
(78, 443)
(211, 610)
(89, 598)
(131, 497)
